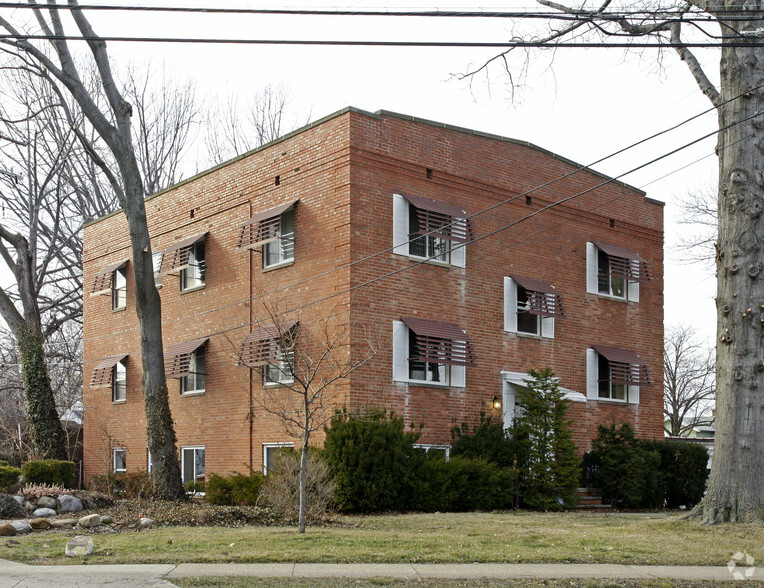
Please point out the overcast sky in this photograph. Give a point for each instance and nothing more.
(584, 106)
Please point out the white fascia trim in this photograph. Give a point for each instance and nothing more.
(521, 379)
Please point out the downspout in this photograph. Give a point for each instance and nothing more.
(251, 413)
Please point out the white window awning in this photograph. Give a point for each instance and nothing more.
(522, 379)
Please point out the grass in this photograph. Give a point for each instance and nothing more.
(425, 538)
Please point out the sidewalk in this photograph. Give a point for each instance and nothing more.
(15, 575)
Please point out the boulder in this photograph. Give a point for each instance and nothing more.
(146, 522)
(106, 520)
(21, 527)
(7, 530)
(30, 506)
(20, 499)
(80, 546)
(63, 523)
(46, 502)
(43, 512)
(40, 524)
(67, 503)
(90, 521)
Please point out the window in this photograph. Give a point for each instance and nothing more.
(531, 306)
(119, 459)
(615, 271)
(270, 451)
(119, 289)
(280, 371)
(156, 262)
(192, 464)
(434, 451)
(430, 352)
(271, 348)
(615, 374)
(272, 231)
(281, 250)
(186, 362)
(119, 383)
(430, 229)
(193, 381)
(193, 276)
(149, 461)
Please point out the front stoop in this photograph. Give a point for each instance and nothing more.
(590, 500)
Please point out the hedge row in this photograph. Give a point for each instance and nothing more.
(49, 471)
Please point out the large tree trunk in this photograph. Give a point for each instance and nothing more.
(736, 486)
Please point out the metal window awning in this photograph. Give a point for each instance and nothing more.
(441, 219)
(626, 367)
(103, 279)
(178, 357)
(175, 257)
(626, 263)
(521, 379)
(440, 342)
(262, 228)
(102, 373)
(543, 299)
(261, 346)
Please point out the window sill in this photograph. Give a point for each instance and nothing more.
(614, 298)
(194, 393)
(194, 289)
(278, 384)
(430, 261)
(425, 384)
(120, 471)
(121, 309)
(119, 401)
(277, 266)
(613, 401)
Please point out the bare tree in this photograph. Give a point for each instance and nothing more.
(240, 128)
(736, 485)
(112, 123)
(688, 382)
(303, 366)
(700, 210)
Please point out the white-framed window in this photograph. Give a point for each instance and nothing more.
(280, 371)
(119, 382)
(119, 460)
(192, 463)
(443, 451)
(156, 263)
(194, 381)
(119, 289)
(430, 230)
(281, 249)
(149, 461)
(614, 271)
(270, 450)
(530, 306)
(194, 276)
(420, 357)
(614, 374)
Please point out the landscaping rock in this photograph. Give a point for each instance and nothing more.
(20, 499)
(80, 546)
(21, 527)
(146, 522)
(63, 523)
(106, 520)
(67, 503)
(93, 500)
(40, 524)
(90, 521)
(10, 508)
(7, 530)
(30, 506)
(43, 512)
(46, 502)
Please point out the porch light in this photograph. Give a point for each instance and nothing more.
(496, 402)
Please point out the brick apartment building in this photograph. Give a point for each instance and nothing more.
(374, 223)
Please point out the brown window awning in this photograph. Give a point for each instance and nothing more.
(625, 263)
(262, 228)
(441, 219)
(261, 346)
(178, 357)
(543, 299)
(626, 367)
(439, 342)
(175, 257)
(103, 279)
(102, 373)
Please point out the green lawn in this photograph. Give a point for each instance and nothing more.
(432, 538)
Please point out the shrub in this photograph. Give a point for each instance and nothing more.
(463, 484)
(125, 485)
(10, 509)
(683, 472)
(194, 486)
(281, 489)
(234, 490)
(49, 471)
(626, 468)
(9, 478)
(33, 492)
(371, 459)
(487, 440)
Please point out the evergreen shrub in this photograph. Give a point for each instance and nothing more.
(233, 490)
(683, 472)
(488, 440)
(9, 478)
(124, 485)
(49, 471)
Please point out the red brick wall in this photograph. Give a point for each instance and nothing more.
(344, 171)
